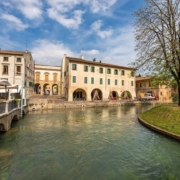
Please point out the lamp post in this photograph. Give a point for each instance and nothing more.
(22, 94)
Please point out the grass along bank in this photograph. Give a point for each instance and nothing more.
(166, 117)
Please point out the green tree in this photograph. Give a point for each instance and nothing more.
(157, 35)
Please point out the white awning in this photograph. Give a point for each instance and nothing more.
(3, 90)
(16, 90)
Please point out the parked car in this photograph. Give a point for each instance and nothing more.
(147, 96)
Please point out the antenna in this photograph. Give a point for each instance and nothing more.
(26, 44)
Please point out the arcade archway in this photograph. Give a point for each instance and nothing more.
(96, 94)
(79, 94)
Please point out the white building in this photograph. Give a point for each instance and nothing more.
(16, 67)
(91, 80)
(47, 79)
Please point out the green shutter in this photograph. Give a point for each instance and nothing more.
(74, 79)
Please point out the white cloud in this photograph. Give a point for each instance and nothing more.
(101, 5)
(50, 53)
(96, 27)
(32, 9)
(15, 23)
(72, 22)
(90, 52)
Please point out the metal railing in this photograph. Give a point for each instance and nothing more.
(2, 107)
(12, 105)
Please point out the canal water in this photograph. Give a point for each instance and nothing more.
(103, 143)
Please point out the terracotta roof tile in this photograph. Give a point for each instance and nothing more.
(79, 60)
(142, 78)
(13, 52)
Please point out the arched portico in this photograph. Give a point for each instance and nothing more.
(46, 89)
(113, 95)
(96, 94)
(54, 89)
(126, 95)
(37, 88)
(79, 94)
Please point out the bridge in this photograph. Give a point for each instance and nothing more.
(10, 111)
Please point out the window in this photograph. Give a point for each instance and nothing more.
(85, 80)
(122, 72)
(46, 77)
(116, 82)
(5, 69)
(109, 81)
(37, 77)
(86, 68)
(18, 60)
(67, 68)
(18, 70)
(64, 73)
(92, 80)
(132, 73)
(140, 84)
(74, 67)
(5, 59)
(122, 82)
(55, 77)
(101, 81)
(149, 84)
(116, 72)
(108, 71)
(132, 83)
(92, 69)
(101, 70)
(74, 79)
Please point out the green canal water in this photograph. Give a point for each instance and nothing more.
(89, 144)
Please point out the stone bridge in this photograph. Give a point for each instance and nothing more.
(10, 111)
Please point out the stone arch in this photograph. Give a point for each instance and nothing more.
(46, 89)
(126, 95)
(37, 88)
(96, 94)
(113, 95)
(55, 89)
(2, 127)
(79, 94)
(15, 117)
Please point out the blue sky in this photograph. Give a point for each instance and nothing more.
(100, 29)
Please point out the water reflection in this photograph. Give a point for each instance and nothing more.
(88, 143)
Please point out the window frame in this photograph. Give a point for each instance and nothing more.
(5, 70)
(85, 68)
(115, 72)
(17, 59)
(101, 70)
(122, 83)
(5, 60)
(92, 69)
(101, 81)
(122, 72)
(85, 80)
(92, 80)
(109, 81)
(73, 79)
(116, 82)
(74, 67)
(108, 70)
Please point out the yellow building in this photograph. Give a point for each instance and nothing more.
(161, 92)
(91, 80)
(47, 80)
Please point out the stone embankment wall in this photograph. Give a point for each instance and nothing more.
(40, 104)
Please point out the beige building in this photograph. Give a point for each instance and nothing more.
(47, 80)
(161, 92)
(92, 80)
(17, 67)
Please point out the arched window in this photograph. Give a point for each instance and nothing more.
(37, 76)
(46, 76)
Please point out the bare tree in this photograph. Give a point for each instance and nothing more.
(157, 33)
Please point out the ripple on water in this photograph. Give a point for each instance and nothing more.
(95, 143)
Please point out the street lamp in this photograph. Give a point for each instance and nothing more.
(22, 94)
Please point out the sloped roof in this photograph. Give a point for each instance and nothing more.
(142, 78)
(79, 60)
(10, 52)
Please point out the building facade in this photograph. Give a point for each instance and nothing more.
(91, 80)
(17, 67)
(47, 80)
(160, 92)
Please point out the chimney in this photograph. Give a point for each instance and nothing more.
(64, 55)
(94, 59)
(82, 57)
